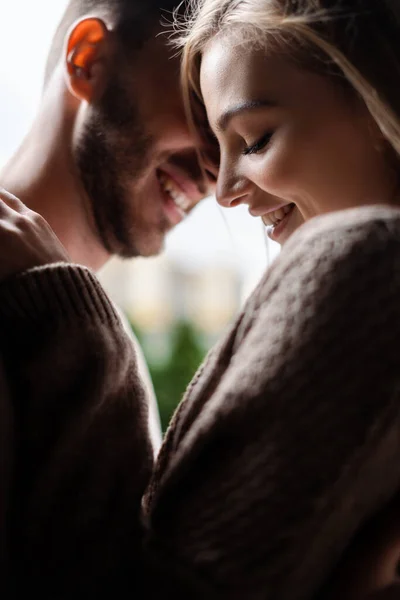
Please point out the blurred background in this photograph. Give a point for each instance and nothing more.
(181, 302)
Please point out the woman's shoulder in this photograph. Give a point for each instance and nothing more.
(350, 226)
(331, 263)
(341, 241)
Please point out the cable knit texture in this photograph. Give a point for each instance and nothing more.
(289, 438)
(285, 443)
(78, 449)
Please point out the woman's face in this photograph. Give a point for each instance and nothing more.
(293, 143)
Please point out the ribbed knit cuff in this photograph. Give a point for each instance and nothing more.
(51, 295)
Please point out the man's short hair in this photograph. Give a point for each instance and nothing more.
(132, 20)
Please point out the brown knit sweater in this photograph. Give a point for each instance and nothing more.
(289, 436)
(78, 455)
(286, 442)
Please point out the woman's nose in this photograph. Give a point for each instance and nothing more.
(232, 189)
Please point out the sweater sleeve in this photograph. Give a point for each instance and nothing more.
(289, 439)
(81, 451)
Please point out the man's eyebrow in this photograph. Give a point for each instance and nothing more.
(224, 119)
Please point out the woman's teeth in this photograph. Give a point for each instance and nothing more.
(275, 217)
(174, 191)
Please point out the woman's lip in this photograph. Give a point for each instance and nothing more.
(260, 211)
(276, 232)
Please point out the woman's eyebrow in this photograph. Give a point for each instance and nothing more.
(224, 119)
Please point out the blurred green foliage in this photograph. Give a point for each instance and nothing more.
(172, 376)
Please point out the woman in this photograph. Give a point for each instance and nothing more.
(287, 442)
(296, 97)
(290, 421)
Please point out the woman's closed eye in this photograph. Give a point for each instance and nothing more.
(259, 145)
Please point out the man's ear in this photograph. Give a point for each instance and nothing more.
(87, 55)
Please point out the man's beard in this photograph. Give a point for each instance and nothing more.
(111, 153)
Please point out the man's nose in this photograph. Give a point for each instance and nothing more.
(210, 163)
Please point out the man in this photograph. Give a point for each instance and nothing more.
(109, 161)
(111, 165)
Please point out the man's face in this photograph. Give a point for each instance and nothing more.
(135, 155)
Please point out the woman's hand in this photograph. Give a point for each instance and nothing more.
(26, 239)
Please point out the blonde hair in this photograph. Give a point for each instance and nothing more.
(359, 38)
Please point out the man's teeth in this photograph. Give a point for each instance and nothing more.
(179, 198)
(275, 217)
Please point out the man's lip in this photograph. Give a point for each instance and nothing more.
(260, 211)
(186, 184)
(174, 214)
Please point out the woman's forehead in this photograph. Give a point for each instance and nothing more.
(230, 69)
(232, 76)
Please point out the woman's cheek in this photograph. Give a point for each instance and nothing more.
(279, 169)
